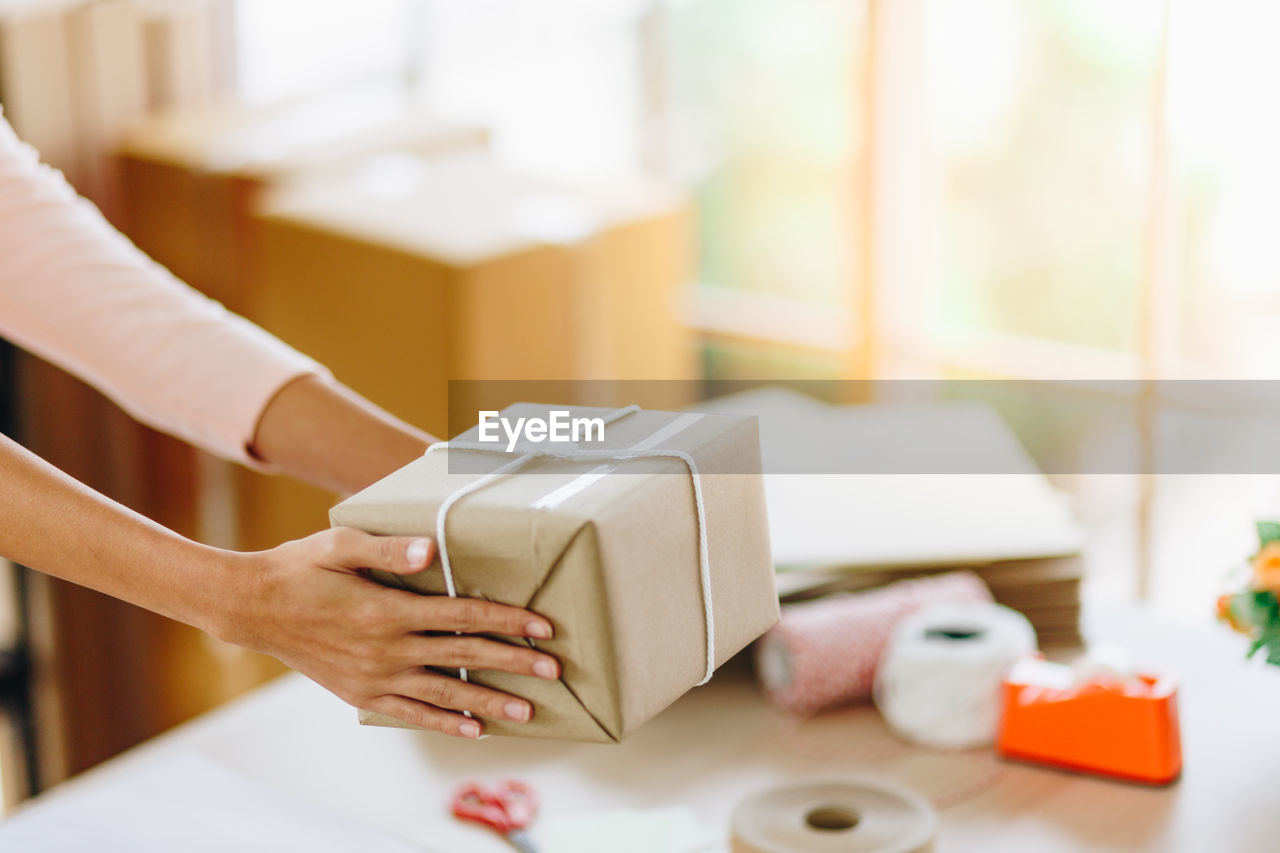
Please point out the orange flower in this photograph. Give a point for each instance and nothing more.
(1226, 614)
(1266, 567)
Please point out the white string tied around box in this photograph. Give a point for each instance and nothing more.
(577, 454)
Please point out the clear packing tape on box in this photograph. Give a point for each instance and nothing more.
(648, 551)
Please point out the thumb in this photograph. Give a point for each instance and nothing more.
(401, 555)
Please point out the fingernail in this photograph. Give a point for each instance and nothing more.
(544, 669)
(538, 630)
(417, 553)
(470, 729)
(518, 711)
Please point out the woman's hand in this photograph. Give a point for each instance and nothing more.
(309, 604)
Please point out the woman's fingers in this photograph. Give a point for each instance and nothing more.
(474, 616)
(425, 716)
(348, 548)
(478, 653)
(372, 644)
(444, 691)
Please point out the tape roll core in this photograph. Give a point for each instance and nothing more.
(852, 816)
(832, 818)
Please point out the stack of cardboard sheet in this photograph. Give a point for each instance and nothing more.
(860, 496)
(75, 74)
(1046, 590)
(35, 79)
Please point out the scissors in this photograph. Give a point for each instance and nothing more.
(507, 808)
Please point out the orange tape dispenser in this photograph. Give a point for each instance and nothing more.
(1125, 726)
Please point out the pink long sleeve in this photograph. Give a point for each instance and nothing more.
(76, 292)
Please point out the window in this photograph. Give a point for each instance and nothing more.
(1040, 115)
(291, 48)
(1221, 271)
(885, 188)
(563, 83)
(768, 124)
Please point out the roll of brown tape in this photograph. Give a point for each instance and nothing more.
(849, 816)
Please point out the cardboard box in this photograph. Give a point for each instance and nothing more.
(613, 561)
(401, 274)
(193, 178)
(463, 269)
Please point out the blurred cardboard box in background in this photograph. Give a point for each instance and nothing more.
(194, 178)
(401, 273)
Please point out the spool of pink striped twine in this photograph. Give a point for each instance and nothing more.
(824, 653)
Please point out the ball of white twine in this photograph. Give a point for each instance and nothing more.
(938, 683)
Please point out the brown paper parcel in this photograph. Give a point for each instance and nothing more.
(611, 558)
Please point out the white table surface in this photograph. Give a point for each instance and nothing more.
(721, 741)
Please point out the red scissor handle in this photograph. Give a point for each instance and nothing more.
(508, 806)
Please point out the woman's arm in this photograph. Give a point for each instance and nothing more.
(318, 431)
(77, 293)
(305, 602)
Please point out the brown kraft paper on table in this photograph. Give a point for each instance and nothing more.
(613, 564)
